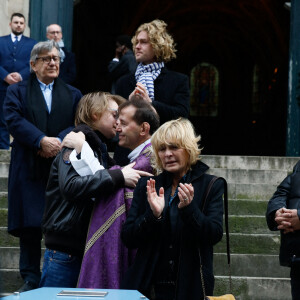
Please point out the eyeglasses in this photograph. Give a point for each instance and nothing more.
(53, 32)
(47, 59)
(115, 113)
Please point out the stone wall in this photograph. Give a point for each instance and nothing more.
(7, 8)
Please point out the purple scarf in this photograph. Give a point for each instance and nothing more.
(106, 258)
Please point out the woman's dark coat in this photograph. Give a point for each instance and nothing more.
(198, 230)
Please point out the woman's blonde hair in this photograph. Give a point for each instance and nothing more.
(161, 41)
(95, 103)
(180, 133)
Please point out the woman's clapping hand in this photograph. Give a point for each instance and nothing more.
(156, 202)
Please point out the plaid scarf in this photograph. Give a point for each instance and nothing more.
(146, 74)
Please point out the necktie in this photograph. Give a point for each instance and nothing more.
(16, 41)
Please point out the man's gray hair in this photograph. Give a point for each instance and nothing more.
(47, 28)
(40, 48)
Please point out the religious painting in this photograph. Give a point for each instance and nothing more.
(204, 90)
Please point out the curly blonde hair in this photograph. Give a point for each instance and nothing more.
(161, 41)
(180, 133)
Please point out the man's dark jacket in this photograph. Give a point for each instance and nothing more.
(126, 65)
(171, 93)
(287, 195)
(67, 70)
(195, 230)
(26, 189)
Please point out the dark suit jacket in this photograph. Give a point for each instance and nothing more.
(67, 70)
(26, 195)
(171, 94)
(14, 60)
(126, 65)
(287, 195)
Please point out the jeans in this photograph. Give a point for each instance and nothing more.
(60, 269)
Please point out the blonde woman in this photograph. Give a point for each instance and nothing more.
(167, 223)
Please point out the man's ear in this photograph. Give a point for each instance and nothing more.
(145, 128)
(32, 64)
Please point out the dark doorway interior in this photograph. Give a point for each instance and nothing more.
(246, 40)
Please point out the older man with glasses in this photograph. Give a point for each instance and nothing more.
(39, 113)
(68, 65)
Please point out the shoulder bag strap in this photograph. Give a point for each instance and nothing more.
(213, 180)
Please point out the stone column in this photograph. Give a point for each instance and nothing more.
(293, 109)
(7, 8)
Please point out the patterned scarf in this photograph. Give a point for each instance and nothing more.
(146, 74)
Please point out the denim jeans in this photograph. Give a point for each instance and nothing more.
(60, 269)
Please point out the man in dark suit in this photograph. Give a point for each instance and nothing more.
(15, 51)
(67, 65)
(39, 113)
(124, 61)
(166, 90)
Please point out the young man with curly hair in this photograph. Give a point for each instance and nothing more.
(166, 90)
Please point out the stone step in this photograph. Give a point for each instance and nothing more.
(249, 191)
(254, 288)
(248, 224)
(244, 288)
(237, 223)
(250, 162)
(236, 206)
(250, 244)
(5, 156)
(7, 240)
(257, 191)
(241, 264)
(247, 207)
(3, 217)
(11, 280)
(251, 265)
(4, 169)
(3, 199)
(250, 176)
(3, 184)
(9, 257)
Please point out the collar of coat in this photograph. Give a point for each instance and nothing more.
(194, 173)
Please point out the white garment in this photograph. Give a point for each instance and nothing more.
(88, 164)
(13, 37)
(136, 152)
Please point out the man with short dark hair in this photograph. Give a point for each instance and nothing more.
(15, 51)
(39, 113)
(124, 61)
(137, 121)
(67, 62)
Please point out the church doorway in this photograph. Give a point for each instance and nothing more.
(234, 51)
